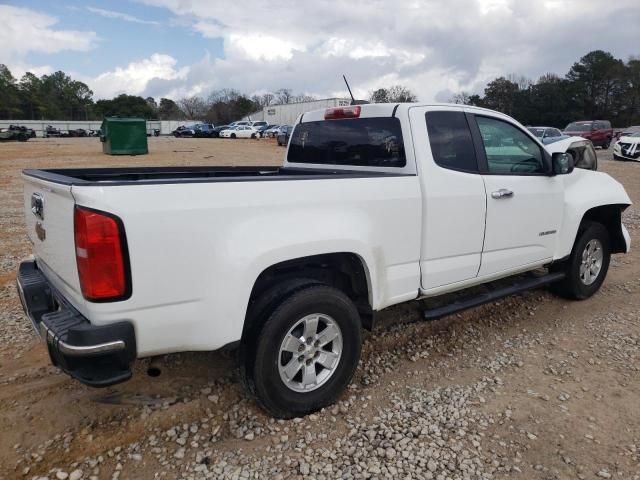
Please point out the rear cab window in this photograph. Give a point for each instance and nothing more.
(579, 127)
(451, 141)
(360, 142)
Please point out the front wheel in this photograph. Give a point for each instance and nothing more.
(588, 264)
(306, 352)
(607, 144)
(233, 135)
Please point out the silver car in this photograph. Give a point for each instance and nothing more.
(547, 135)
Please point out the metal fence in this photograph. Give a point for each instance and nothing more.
(165, 126)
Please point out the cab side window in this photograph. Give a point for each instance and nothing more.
(451, 141)
(509, 151)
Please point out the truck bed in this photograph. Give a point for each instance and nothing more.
(189, 174)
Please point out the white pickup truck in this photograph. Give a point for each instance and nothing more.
(375, 205)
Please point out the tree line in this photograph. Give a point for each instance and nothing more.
(58, 97)
(596, 87)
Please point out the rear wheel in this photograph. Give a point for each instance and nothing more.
(588, 264)
(606, 144)
(306, 352)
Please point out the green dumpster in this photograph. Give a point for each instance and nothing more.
(124, 136)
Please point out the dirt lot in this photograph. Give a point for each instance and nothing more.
(530, 387)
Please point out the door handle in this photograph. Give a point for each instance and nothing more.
(502, 193)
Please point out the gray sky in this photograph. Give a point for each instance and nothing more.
(436, 48)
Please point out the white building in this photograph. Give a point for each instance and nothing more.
(287, 113)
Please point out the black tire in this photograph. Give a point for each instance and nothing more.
(262, 351)
(617, 157)
(233, 135)
(606, 144)
(253, 136)
(573, 286)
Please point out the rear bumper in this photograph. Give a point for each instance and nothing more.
(98, 356)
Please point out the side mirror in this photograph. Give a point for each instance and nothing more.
(562, 163)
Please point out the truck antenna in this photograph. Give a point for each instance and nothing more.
(353, 100)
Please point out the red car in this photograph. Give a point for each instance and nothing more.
(598, 131)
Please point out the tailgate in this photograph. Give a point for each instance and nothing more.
(49, 211)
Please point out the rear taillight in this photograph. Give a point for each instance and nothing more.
(101, 255)
(342, 112)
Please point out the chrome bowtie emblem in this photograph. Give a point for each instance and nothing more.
(37, 205)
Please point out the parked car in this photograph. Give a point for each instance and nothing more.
(51, 131)
(8, 134)
(598, 131)
(203, 130)
(628, 146)
(215, 133)
(23, 130)
(374, 205)
(240, 131)
(152, 133)
(629, 131)
(271, 131)
(259, 124)
(547, 134)
(284, 132)
(261, 129)
(226, 133)
(76, 132)
(183, 131)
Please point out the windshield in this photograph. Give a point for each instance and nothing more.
(538, 132)
(366, 142)
(579, 127)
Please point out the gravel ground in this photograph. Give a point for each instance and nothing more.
(532, 386)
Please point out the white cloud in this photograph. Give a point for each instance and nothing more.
(257, 46)
(493, 6)
(135, 77)
(19, 68)
(120, 16)
(25, 30)
(433, 47)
